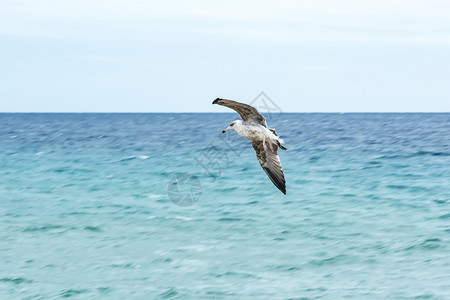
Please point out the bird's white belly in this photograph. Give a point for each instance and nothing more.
(255, 133)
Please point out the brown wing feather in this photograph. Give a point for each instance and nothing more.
(270, 162)
(248, 113)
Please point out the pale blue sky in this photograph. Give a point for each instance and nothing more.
(174, 56)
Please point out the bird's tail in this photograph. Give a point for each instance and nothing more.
(279, 141)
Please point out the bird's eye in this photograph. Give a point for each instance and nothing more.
(231, 125)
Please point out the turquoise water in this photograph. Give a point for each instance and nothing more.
(85, 212)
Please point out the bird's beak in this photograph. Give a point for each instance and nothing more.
(225, 130)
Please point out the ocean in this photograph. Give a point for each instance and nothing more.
(165, 206)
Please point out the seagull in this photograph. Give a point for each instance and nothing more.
(265, 140)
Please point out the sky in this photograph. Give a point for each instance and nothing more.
(178, 56)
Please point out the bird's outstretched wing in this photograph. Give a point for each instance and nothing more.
(270, 162)
(248, 113)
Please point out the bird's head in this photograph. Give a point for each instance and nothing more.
(233, 125)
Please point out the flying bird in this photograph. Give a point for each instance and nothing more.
(265, 140)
